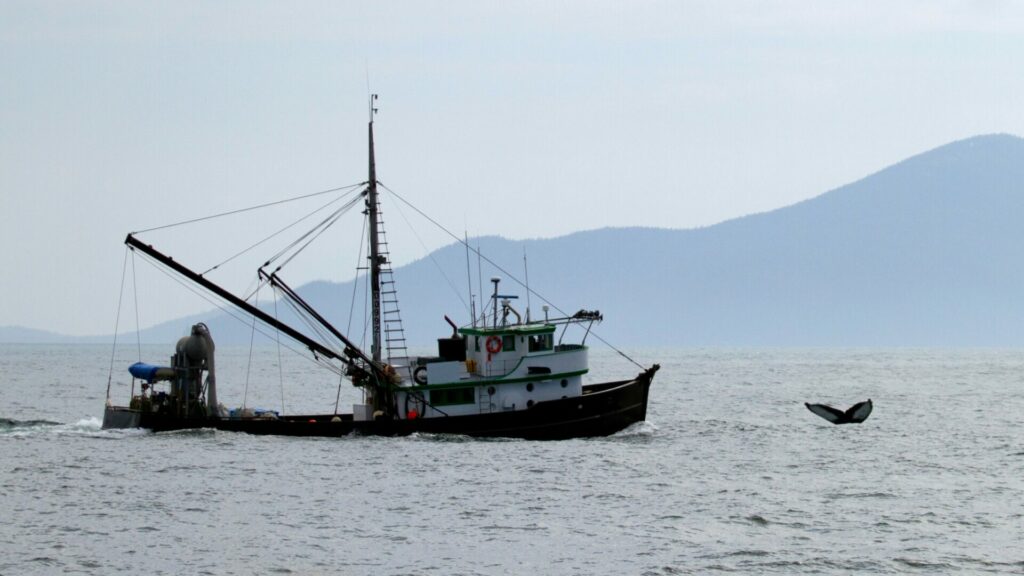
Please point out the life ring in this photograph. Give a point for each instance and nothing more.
(493, 344)
(420, 375)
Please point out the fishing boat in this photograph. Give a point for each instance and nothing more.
(502, 374)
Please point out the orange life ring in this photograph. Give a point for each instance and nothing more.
(493, 344)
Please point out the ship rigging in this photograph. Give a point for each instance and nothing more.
(500, 374)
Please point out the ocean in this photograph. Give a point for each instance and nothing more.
(730, 474)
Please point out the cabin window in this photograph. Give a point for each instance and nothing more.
(508, 343)
(476, 343)
(451, 396)
(541, 342)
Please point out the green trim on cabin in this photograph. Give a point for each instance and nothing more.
(488, 382)
(523, 329)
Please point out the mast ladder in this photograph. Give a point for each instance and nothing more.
(394, 334)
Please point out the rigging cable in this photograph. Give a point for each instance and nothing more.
(312, 239)
(282, 230)
(352, 304)
(326, 222)
(280, 368)
(355, 281)
(312, 324)
(305, 240)
(252, 340)
(138, 329)
(250, 291)
(231, 311)
(366, 317)
(117, 321)
(503, 271)
(430, 253)
(315, 232)
(308, 237)
(249, 209)
(337, 399)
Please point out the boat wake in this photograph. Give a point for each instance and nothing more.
(639, 431)
(191, 432)
(89, 427)
(455, 438)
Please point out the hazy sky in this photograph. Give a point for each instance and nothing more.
(529, 121)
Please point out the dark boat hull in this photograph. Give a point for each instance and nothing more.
(603, 409)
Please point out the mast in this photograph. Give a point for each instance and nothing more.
(375, 258)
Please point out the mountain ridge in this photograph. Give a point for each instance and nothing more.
(920, 253)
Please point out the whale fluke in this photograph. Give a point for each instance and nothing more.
(855, 414)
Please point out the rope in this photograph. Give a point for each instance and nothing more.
(252, 340)
(315, 232)
(430, 253)
(281, 231)
(117, 320)
(249, 209)
(312, 323)
(259, 284)
(355, 281)
(232, 312)
(337, 400)
(280, 368)
(314, 237)
(506, 272)
(366, 317)
(135, 289)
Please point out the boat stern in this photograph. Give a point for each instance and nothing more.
(121, 417)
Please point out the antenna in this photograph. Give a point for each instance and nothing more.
(373, 98)
(526, 274)
(366, 62)
(469, 280)
(495, 280)
(480, 283)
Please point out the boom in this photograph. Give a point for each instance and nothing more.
(169, 262)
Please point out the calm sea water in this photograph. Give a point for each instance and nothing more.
(730, 474)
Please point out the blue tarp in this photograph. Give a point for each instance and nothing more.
(237, 412)
(146, 372)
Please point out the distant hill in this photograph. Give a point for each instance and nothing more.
(22, 335)
(927, 252)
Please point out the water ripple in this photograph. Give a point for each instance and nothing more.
(730, 475)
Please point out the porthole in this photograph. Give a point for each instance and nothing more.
(529, 387)
(565, 383)
(529, 403)
(491, 391)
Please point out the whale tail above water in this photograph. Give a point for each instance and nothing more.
(855, 414)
